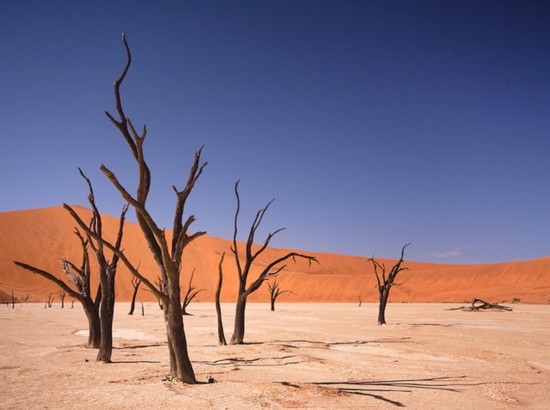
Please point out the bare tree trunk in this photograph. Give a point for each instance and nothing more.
(272, 304)
(383, 301)
(106, 311)
(180, 364)
(12, 300)
(94, 328)
(238, 331)
(221, 334)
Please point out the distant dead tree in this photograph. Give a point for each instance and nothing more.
(99, 310)
(274, 292)
(135, 284)
(191, 294)
(168, 257)
(221, 334)
(385, 282)
(12, 300)
(62, 295)
(50, 300)
(160, 285)
(243, 268)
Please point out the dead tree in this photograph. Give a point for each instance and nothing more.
(135, 283)
(168, 257)
(160, 285)
(243, 269)
(62, 295)
(191, 294)
(12, 300)
(107, 270)
(50, 300)
(385, 282)
(221, 334)
(98, 310)
(80, 278)
(274, 292)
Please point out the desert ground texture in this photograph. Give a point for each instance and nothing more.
(303, 355)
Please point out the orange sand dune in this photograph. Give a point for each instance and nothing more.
(42, 237)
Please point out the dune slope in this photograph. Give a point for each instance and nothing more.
(42, 237)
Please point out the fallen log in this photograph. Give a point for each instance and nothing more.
(479, 305)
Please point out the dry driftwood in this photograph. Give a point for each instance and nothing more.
(479, 305)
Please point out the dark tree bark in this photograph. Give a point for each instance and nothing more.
(274, 292)
(135, 283)
(385, 282)
(243, 269)
(191, 294)
(221, 334)
(168, 258)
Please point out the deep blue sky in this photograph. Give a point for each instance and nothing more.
(372, 123)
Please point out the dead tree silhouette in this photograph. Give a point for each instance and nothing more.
(274, 292)
(80, 277)
(62, 295)
(250, 256)
(385, 282)
(191, 294)
(107, 269)
(135, 284)
(168, 257)
(221, 334)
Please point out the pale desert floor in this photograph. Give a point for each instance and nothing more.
(301, 356)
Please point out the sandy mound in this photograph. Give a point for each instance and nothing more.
(42, 237)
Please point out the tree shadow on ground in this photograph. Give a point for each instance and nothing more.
(257, 361)
(139, 346)
(297, 343)
(373, 388)
(133, 361)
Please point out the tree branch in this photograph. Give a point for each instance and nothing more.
(116, 251)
